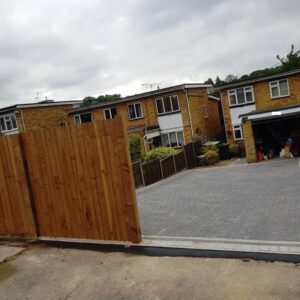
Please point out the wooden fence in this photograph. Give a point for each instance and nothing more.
(156, 170)
(16, 217)
(81, 181)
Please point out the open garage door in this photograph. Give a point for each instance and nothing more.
(273, 134)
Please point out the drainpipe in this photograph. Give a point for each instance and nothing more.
(188, 105)
(223, 113)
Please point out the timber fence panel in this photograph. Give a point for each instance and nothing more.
(82, 182)
(137, 174)
(180, 161)
(168, 166)
(152, 172)
(16, 215)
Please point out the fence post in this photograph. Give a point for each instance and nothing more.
(161, 168)
(186, 164)
(142, 173)
(174, 163)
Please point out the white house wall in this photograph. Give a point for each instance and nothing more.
(236, 111)
(170, 123)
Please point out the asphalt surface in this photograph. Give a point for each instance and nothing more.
(52, 273)
(258, 202)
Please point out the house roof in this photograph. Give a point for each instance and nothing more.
(139, 96)
(258, 79)
(273, 112)
(45, 103)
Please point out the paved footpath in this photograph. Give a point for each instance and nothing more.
(51, 273)
(257, 202)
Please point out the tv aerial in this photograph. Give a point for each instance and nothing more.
(151, 85)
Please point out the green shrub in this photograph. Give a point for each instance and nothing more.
(234, 150)
(210, 147)
(135, 148)
(211, 154)
(160, 152)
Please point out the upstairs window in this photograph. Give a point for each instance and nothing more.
(109, 113)
(83, 118)
(279, 88)
(241, 96)
(167, 104)
(135, 111)
(8, 123)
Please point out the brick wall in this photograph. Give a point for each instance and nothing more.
(41, 117)
(249, 142)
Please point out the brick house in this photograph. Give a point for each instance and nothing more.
(263, 113)
(170, 116)
(45, 114)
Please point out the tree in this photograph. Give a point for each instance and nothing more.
(230, 78)
(93, 100)
(292, 60)
(209, 81)
(135, 148)
(218, 81)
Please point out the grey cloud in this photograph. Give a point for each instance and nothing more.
(87, 48)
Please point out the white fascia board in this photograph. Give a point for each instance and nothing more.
(274, 113)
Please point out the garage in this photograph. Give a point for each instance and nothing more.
(272, 130)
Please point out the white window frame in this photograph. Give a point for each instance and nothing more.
(79, 115)
(176, 133)
(135, 111)
(205, 111)
(5, 122)
(246, 89)
(163, 104)
(275, 83)
(110, 114)
(241, 130)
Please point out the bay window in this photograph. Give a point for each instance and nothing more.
(173, 139)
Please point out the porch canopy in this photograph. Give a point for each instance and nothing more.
(282, 112)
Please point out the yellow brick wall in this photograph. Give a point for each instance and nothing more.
(263, 97)
(41, 117)
(227, 117)
(210, 126)
(249, 142)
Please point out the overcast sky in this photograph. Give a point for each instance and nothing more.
(69, 49)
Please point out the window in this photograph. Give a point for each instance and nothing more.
(279, 88)
(173, 139)
(241, 96)
(205, 111)
(167, 104)
(83, 118)
(135, 111)
(238, 132)
(8, 123)
(109, 113)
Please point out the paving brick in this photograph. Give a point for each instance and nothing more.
(259, 201)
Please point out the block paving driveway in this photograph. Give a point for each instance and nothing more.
(258, 202)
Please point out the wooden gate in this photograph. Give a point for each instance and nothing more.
(81, 182)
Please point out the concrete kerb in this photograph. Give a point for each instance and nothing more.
(190, 247)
